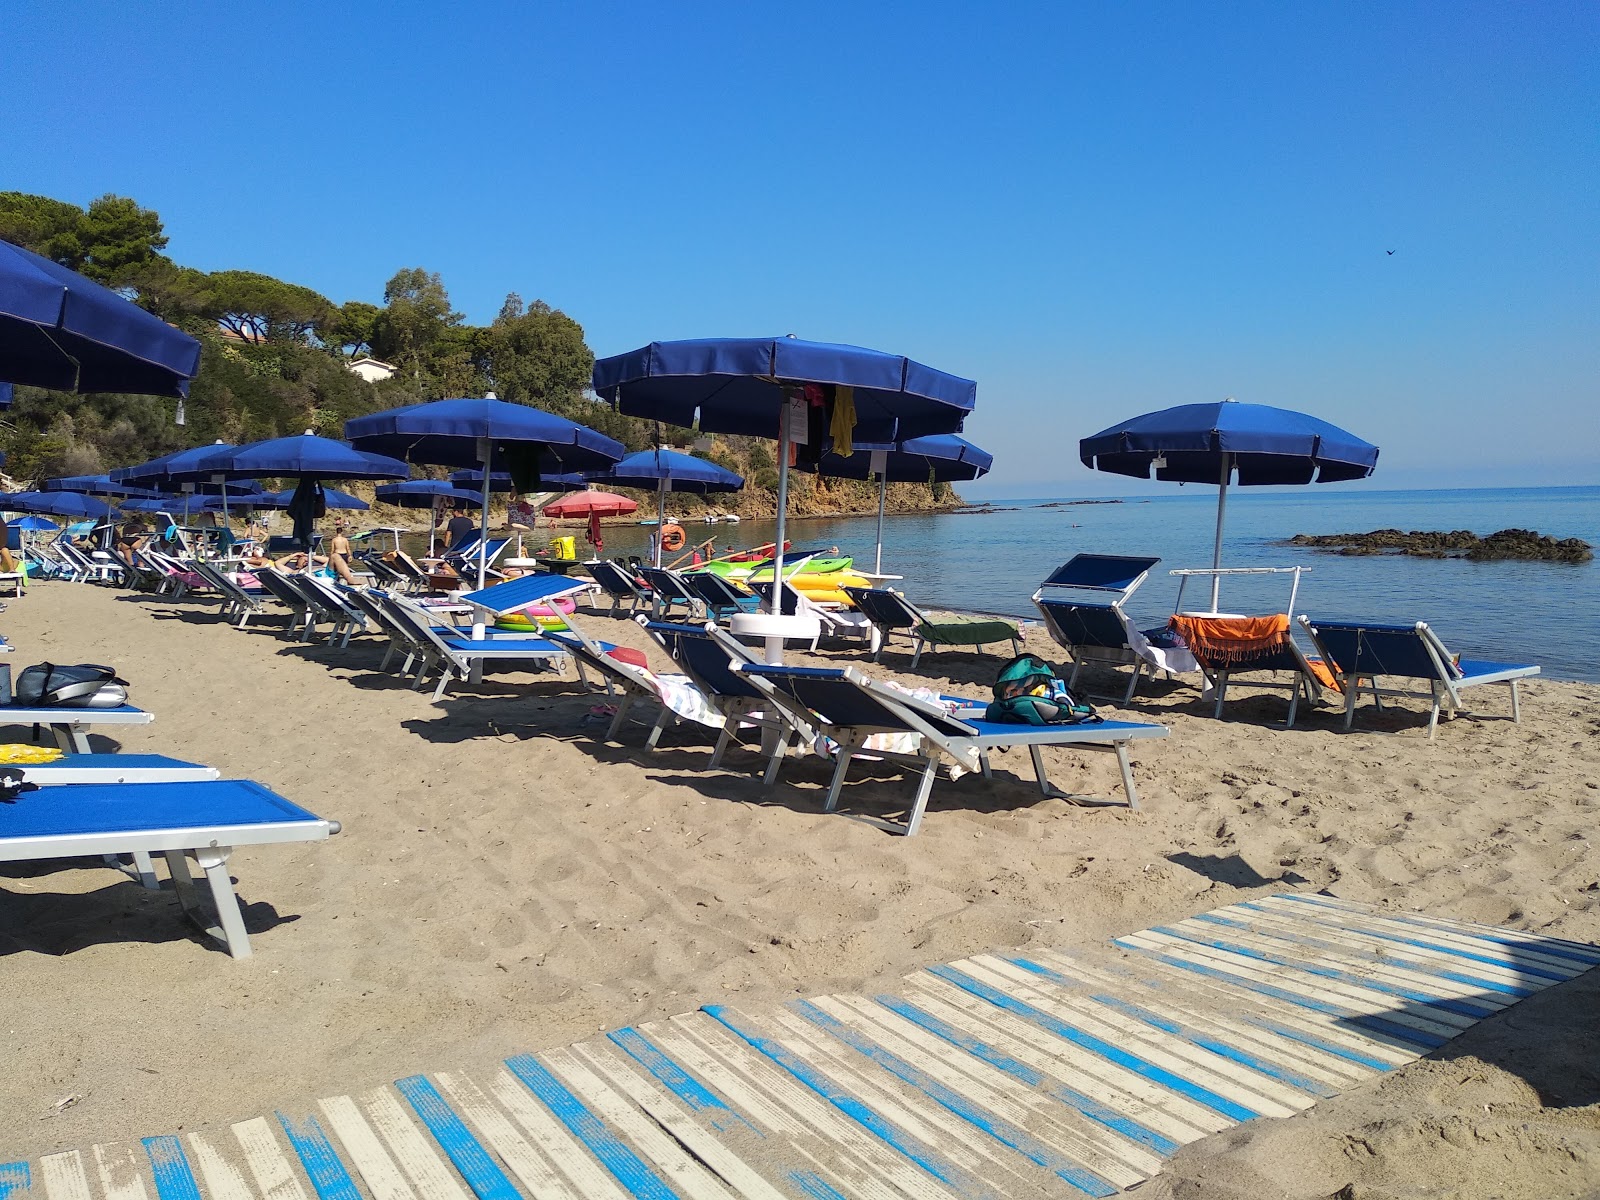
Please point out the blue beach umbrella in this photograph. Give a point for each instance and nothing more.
(307, 458)
(943, 457)
(668, 471)
(1211, 443)
(61, 504)
(59, 330)
(491, 434)
(331, 498)
(426, 493)
(33, 524)
(500, 481)
(744, 385)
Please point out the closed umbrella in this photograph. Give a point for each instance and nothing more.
(945, 458)
(59, 330)
(667, 470)
(491, 434)
(1211, 443)
(778, 387)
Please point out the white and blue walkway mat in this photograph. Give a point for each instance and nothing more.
(1000, 1076)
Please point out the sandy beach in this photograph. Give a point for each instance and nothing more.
(504, 882)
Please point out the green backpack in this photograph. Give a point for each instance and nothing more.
(1028, 692)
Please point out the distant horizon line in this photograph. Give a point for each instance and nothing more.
(1209, 495)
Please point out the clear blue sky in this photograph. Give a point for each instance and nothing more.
(1093, 210)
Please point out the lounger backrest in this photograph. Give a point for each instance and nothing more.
(417, 623)
(613, 579)
(885, 607)
(409, 567)
(278, 584)
(331, 597)
(1361, 649)
(669, 585)
(715, 590)
(702, 659)
(1102, 572)
(1077, 624)
(519, 593)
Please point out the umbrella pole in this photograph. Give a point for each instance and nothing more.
(1216, 550)
(483, 523)
(661, 514)
(883, 496)
(783, 505)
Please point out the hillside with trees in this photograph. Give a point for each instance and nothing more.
(276, 356)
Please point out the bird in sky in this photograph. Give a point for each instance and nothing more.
(1388, 251)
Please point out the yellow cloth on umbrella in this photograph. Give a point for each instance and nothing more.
(844, 420)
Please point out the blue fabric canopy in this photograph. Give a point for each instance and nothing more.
(500, 481)
(153, 504)
(422, 493)
(943, 457)
(93, 485)
(32, 524)
(304, 456)
(1265, 445)
(331, 498)
(446, 433)
(62, 504)
(159, 472)
(736, 385)
(59, 330)
(680, 472)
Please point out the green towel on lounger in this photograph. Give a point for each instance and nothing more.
(951, 629)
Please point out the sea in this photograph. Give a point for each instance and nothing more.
(992, 561)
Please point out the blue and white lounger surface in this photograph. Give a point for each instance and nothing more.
(70, 725)
(113, 768)
(848, 707)
(203, 820)
(1370, 651)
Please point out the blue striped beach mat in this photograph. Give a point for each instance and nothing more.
(999, 1076)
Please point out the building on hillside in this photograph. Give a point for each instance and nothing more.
(371, 369)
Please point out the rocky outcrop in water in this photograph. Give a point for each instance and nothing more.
(1523, 544)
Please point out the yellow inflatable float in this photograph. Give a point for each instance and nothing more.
(537, 618)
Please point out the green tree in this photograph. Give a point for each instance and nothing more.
(259, 308)
(118, 235)
(415, 316)
(353, 328)
(48, 227)
(537, 356)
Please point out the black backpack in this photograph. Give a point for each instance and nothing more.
(86, 685)
(1028, 692)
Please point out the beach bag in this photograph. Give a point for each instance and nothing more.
(1028, 692)
(86, 685)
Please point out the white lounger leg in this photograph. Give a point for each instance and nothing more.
(840, 766)
(615, 727)
(73, 737)
(1127, 774)
(1222, 690)
(920, 804)
(1038, 770)
(1516, 704)
(729, 723)
(655, 730)
(1352, 687)
(229, 927)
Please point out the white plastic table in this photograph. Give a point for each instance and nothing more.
(774, 630)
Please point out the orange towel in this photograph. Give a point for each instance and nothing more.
(1232, 639)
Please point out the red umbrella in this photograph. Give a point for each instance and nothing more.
(593, 505)
(583, 504)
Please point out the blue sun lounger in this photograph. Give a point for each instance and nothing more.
(1358, 651)
(848, 707)
(515, 594)
(199, 820)
(721, 597)
(461, 654)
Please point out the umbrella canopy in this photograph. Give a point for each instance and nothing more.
(1204, 443)
(32, 524)
(488, 433)
(744, 385)
(943, 457)
(331, 498)
(159, 472)
(1208, 443)
(668, 471)
(62, 504)
(423, 493)
(153, 504)
(737, 385)
(304, 456)
(678, 472)
(59, 330)
(93, 485)
(446, 433)
(500, 481)
(583, 504)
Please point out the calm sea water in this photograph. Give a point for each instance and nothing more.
(1545, 613)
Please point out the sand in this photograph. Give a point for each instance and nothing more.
(506, 883)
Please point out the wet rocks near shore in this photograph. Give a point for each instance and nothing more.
(1522, 544)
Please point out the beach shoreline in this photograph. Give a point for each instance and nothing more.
(505, 883)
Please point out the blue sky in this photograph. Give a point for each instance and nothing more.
(1093, 210)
